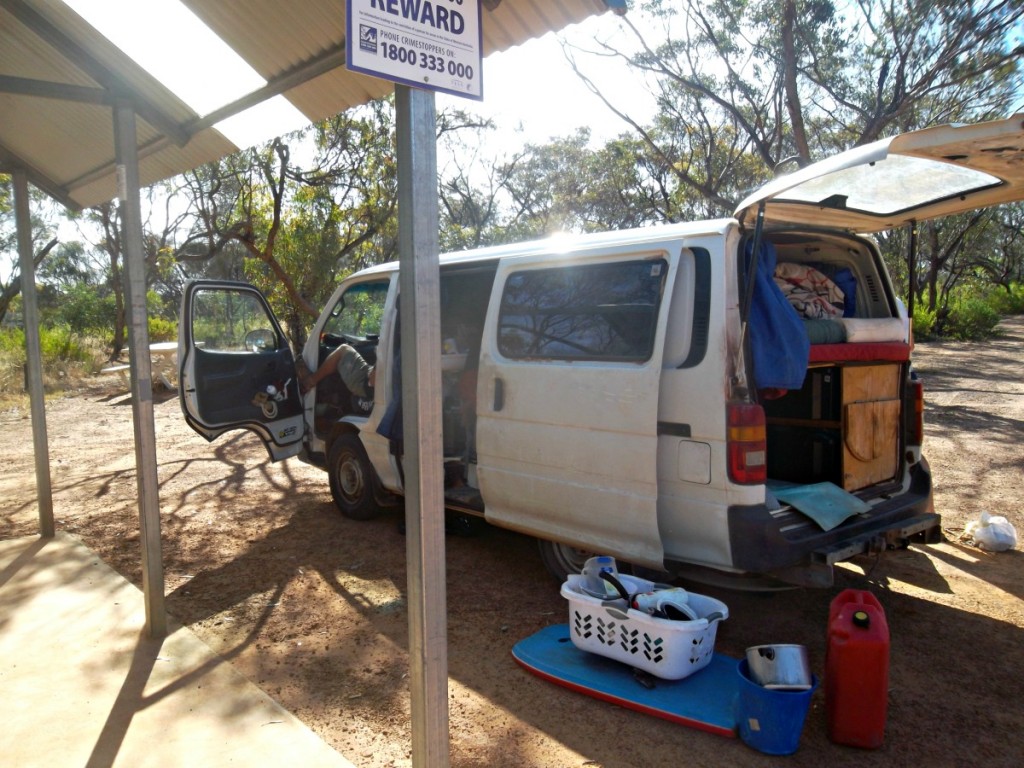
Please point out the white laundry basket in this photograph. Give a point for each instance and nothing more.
(666, 648)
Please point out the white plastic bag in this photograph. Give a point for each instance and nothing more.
(991, 532)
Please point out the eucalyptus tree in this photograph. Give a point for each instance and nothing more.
(298, 214)
(470, 183)
(43, 222)
(749, 88)
(745, 87)
(568, 185)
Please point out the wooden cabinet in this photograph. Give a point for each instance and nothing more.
(841, 427)
(871, 414)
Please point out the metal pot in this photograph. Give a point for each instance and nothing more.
(780, 667)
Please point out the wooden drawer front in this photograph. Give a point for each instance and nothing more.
(871, 421)
(863, 383)
(871, 442)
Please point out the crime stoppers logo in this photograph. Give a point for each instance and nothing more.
(367, 38)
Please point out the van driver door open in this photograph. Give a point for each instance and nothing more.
(567, 399)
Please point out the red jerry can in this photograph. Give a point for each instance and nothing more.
(857, 670)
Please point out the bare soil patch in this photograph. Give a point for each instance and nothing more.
(311, 606)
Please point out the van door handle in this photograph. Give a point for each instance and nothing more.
(499, 394)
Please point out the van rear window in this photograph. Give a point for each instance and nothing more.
(582, 312)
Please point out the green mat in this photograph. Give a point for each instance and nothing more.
(825, 503)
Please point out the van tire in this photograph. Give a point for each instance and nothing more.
(353, 480)
(562, 560)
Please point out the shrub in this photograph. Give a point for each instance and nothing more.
(161, 329)
(1007, 302)
(924, 322)
(83, 309)
(66, 357)
(971, 319)
(12, 359)
(60, 344)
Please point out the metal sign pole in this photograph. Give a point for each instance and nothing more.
(141, 370)
(419, 289)
(34, 355)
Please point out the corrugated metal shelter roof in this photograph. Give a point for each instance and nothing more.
(59, 78)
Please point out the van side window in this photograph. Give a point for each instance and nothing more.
(231, 321)
(587, 312)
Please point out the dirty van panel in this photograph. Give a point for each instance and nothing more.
(568, 399)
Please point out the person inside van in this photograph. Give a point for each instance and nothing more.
(357, 374)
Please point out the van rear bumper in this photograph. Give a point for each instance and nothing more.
(791, 547)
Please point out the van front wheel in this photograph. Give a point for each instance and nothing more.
(562, 560)
(352, 478)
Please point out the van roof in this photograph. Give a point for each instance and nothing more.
(564, 243)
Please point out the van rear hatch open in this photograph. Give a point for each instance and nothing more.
(893, 182)
(850, 418)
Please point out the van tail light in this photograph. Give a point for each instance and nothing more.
(916, 436)
(746, 443)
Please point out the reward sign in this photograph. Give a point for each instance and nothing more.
(422, 43)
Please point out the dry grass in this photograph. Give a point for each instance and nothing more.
(59, 375)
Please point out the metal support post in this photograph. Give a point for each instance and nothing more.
(141, 370)
(34, 355)
(419, 289)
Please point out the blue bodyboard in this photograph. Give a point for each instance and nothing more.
(704, 700)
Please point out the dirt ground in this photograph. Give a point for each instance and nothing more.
(310, 606)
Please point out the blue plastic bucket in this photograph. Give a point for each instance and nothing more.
(770, 720)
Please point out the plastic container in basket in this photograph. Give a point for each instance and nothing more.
(665, 648)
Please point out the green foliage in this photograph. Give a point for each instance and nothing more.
(86, 310)
(162, 329)
(1008, 300)
(64, 354)
(970, 319)
(12, 359)
(12, 342)
(924, 322)
(970, 315)
(60, 343)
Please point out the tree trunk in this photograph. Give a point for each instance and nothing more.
(793, 106)
(13, 289)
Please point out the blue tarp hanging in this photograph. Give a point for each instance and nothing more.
(779, 345)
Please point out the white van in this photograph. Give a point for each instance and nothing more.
(634, 393)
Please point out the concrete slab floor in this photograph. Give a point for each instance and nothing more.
(81, 684)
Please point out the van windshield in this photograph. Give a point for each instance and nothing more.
(359, 312)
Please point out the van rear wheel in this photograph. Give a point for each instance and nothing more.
(352, 478)
(562, 560)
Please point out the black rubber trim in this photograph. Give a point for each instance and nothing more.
(673, 430)
(701, 308)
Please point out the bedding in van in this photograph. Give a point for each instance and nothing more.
(809, 291)
(800, 316)
(857, 340)
(855, 331)
(826, 308)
